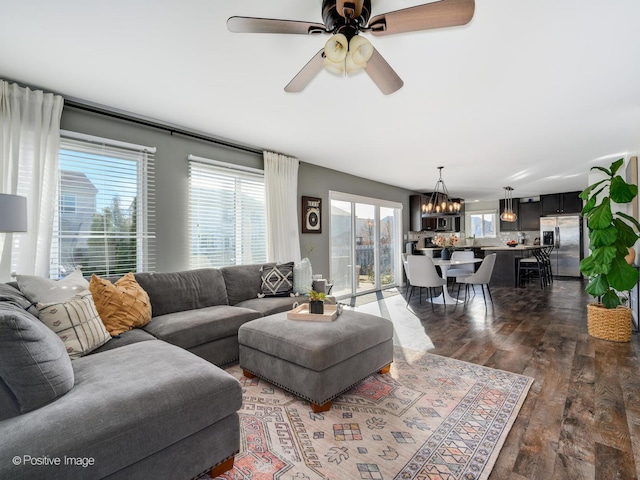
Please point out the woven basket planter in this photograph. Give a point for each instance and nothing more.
(613, 324)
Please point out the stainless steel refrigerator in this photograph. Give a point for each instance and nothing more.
(565, 234)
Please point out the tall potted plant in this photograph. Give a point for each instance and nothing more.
(611, 235)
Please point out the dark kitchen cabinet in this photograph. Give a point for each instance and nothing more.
(571, 202)
(556, 203)
(510, 226)
(529, 215)
(418, 222)
(415, 211)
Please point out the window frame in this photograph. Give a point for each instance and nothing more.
(247, 183)
(492, 212)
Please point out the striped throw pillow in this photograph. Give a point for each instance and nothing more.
(76, 322)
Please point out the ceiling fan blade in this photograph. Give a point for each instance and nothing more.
(308, 73)
(272, 25)
(353, 8)
(445, 13)
(382, 74)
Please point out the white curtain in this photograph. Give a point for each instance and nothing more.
(281, 188)
(29, 141)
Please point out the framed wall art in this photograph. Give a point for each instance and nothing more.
(311, 215)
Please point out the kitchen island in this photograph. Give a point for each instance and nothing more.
(505, 271)
(435, 252)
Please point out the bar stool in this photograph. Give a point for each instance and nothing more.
(546, 257)
(530, 267)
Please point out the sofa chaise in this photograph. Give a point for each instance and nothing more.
(149, 403)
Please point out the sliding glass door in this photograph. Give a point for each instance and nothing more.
(365, 243)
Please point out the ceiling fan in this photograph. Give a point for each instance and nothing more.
(348, 52)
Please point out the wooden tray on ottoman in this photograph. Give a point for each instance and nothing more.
(302, 313)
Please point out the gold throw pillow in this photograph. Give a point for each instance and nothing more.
(121, 306)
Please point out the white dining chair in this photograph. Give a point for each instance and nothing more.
(405, 264)
(423, 273)
(482, 277)
(461, 270)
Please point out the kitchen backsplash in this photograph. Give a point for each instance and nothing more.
(502, 238)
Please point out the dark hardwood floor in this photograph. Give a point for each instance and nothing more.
(581, 418)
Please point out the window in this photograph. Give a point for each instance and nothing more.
(68, 203)
(105, 210)
(227, 214)
(482, 224)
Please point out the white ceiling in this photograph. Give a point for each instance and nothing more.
(529, 94)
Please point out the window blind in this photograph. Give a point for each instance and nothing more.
(227, 215)
(105, 215)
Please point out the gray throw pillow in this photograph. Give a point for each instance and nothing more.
(277, 280)
(16, 297)
(45, 290)
(34, 364)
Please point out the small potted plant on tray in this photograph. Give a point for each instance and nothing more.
(316, 302)
(611, 237)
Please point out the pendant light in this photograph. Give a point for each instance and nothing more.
(440, 202)
(507, 215)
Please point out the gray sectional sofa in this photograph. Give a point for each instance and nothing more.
(142, 405)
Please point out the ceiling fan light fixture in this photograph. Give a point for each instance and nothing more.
(336, 48)
(353, 67)
(337, 68)
(360, 50)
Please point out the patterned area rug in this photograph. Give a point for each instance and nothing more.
(430, 418)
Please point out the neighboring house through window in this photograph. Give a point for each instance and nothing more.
(68, 200)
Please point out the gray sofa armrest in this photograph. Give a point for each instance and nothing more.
(126, 405)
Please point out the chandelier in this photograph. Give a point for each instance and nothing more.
(507, 215)
(440, 202)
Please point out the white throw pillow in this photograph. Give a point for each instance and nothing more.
(76, 322)
(44, 290)
(302, 277)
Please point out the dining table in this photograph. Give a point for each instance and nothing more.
(444, 265)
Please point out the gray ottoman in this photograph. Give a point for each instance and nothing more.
(316, 360)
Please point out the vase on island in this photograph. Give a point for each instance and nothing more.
(446, 243)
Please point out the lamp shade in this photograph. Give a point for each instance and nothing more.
(13, 213)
